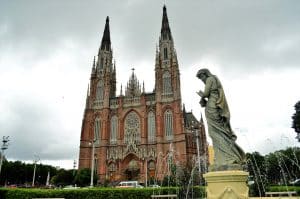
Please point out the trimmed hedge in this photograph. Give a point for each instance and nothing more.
(98, 193)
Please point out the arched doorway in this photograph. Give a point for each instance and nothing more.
(151, 169)
(133, 170)
(112, 172)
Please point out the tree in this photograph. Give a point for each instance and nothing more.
(296, 120)
(21, 173)
(63, 178)
(83, 177)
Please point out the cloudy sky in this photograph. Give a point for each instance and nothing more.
(47, 48)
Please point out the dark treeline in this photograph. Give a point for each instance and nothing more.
(21, 173)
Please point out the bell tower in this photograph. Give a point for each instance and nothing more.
(167, 79)
(103, 78)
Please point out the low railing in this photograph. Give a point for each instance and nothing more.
(98, 104)
(281, 193)
(132, 101)
(114, 103)
(164, 196)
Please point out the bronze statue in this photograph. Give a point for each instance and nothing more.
(228, 155)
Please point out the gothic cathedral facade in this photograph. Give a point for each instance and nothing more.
(137, 134)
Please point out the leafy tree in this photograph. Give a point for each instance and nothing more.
(83, 177)
(63, 178)
(296, 119)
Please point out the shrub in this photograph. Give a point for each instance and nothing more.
(97, 193)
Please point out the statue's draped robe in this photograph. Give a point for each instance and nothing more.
(226, 151)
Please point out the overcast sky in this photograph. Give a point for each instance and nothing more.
(47, 49)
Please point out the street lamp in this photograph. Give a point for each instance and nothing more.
(74, 167)
(195, 128)
(93, 162)
(3, 147)
(36, 159)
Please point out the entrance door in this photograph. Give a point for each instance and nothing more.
(132, 172)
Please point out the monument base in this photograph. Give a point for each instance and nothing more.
(231, 184)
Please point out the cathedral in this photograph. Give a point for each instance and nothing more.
(138, 135)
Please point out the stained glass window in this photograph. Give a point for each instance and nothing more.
(113, 129)
(168, 124)
(151, 127)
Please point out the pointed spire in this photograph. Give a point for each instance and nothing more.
(143, 87)
(87, 97)
(88, 90)
(94, 65)
(121, 90)
(133, 87)
(105, 43)
(165, 28)
(114, 69)
(201, 121)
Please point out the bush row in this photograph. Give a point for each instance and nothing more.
(284, 188)
(99, 193)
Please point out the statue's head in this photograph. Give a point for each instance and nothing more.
(203, 74)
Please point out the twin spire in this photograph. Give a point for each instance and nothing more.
(133, 87)
(165, 28)
(165, 31)
(105, 43)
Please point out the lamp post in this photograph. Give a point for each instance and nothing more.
(36, 159)
(74, 167)
(198, 148)
(195, 128)
(3, 147)
(93, 162)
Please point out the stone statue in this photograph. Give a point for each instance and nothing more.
(228, 155)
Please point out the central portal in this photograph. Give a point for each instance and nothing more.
(133, 170)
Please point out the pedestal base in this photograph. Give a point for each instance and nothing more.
(227, 184)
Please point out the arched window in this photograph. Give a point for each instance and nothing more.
(97, 129)
(165, 53)
(101, 63)
(132, 129)
(167, 86)
(168, 118)
(151, 127)
(100, 91)
(113, 129)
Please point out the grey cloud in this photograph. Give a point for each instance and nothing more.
(233, 31)
(34, 129)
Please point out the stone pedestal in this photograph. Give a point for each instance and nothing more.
(230, 184)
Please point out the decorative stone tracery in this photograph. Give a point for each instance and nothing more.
(132, 130)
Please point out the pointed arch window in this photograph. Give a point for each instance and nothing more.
(113, 129)
(165, 53)
(151, 127)
(167, 86)
(168, 121)
(100, 90)
(97, 130)
(101, 63)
